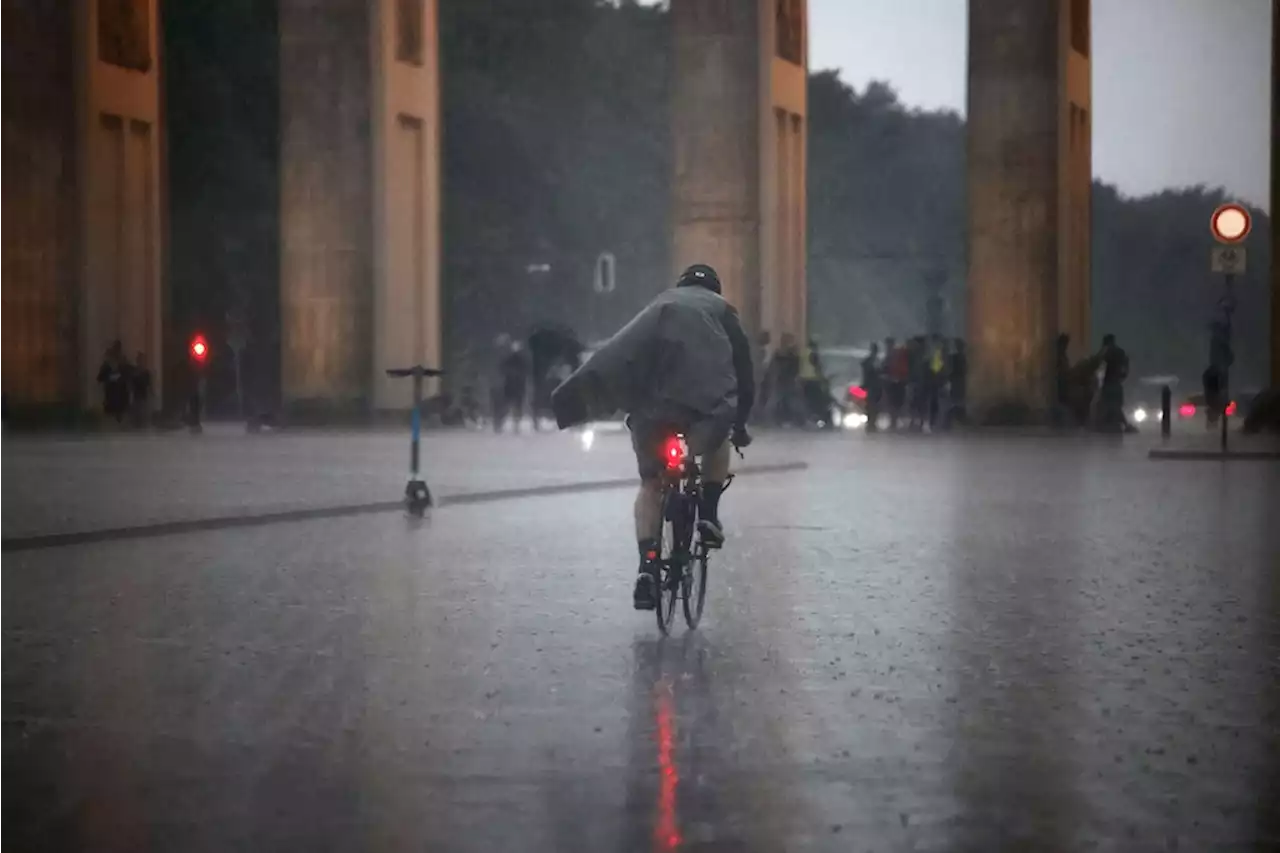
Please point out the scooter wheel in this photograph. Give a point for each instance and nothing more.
(417, 497)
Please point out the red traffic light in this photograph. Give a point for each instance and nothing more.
(199, 349)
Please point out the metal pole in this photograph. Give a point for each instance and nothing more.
(416, 421)
(1226, 371)
(1166, 411)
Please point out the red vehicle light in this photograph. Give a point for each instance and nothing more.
(1187, 410)
(673, 452)
(857, 392)
(1231, 408)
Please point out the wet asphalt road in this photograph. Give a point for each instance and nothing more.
(917, 644)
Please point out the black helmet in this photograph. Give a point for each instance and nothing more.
(701, 275)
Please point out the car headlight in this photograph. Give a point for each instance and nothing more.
(1139, 414)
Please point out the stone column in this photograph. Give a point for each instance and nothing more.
(406, 238)
(120, 185)
(326, 202)
(360, 199)
(41, 202)
(739, 129)
(1028, 150)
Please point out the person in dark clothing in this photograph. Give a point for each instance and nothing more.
(897, 372)
(873, 387)
(683, 366)
(1216, 377)
(958, 384)
(1115, 369)
(917, 381)
(514, 376)
(785, 368)
(552, 351)
(113, 375)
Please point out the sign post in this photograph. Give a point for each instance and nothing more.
(1229, 225)
(237, 339)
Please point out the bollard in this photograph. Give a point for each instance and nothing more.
(1166, 411)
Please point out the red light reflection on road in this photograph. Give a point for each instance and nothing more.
(666, 829)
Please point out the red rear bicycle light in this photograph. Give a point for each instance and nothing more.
(1187, 410)
(1231, 409)
(673, 453)
(858, 392)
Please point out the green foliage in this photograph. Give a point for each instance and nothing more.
(556, 147)
(887, 213)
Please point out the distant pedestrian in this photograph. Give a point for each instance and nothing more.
(958, 385)
(785, 378)
(873, 387)
(113, 375)
(514, 377)
(1115, 366)
(897, 373)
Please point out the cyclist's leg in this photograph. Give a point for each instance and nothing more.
(646, 439)
(712, 440)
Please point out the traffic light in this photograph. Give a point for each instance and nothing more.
(199, 350)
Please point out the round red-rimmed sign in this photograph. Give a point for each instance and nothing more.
(1230, 223)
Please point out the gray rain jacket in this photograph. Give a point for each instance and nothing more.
(685, 355)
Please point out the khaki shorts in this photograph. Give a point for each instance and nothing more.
(648, 437)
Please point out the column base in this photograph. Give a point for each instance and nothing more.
(1009, 413)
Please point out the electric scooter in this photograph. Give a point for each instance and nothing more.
(417, 497)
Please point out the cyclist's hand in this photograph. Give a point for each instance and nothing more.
(741, 438)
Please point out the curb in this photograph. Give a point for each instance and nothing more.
(1214, 455)
(39, 542)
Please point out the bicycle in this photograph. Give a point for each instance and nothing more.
(682, 555)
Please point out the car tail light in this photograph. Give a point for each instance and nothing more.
(673, 452)
(1187, 410)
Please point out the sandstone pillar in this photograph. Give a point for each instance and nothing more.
(82, 224)
(1029, 190)
(41, 206)
(739, 128)
(359, 197)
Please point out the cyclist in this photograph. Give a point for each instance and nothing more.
(683, 364)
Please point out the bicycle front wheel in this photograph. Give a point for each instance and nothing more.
(694, 585)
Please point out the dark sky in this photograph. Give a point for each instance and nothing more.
(1181, 88)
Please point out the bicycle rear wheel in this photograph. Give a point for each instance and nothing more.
(672, 559)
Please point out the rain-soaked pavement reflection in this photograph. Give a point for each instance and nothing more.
(958, 645)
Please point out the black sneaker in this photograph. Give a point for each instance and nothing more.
(712, 533)
(645, 596)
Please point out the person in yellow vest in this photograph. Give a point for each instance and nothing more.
(813, 384)
(936, 378)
